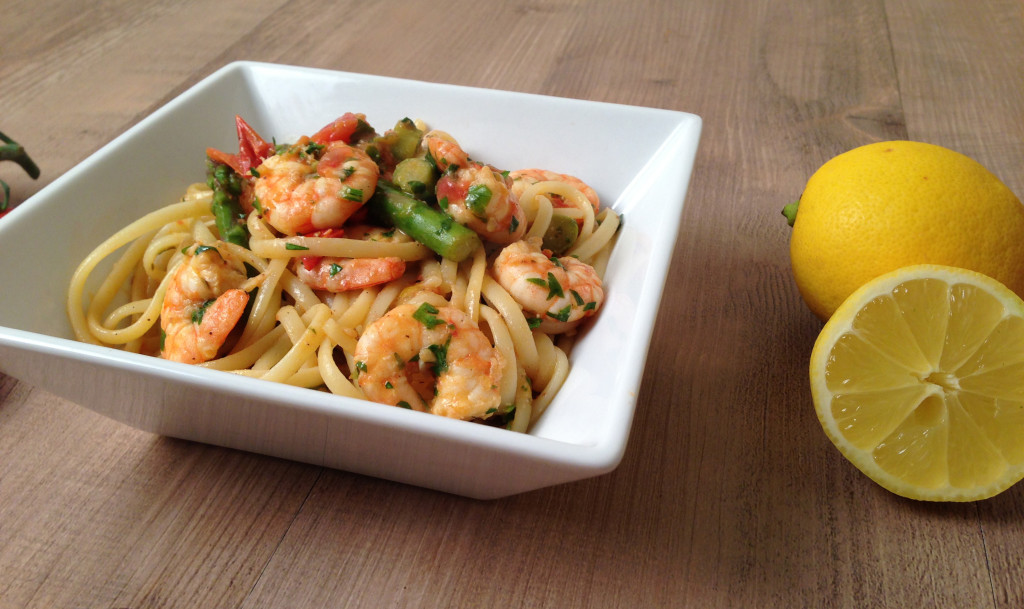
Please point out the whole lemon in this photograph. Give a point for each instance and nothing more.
(888, 205)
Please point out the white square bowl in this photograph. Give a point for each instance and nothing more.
(639, 160)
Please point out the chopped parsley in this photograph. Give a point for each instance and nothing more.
(404, 404)
(554, 288)
(352, 194)
(534, 322)
(363, 129)
(477, 198)
(440, 356)
(334, 269)
(294, 246)
(562, 314)
(427, 315)
(576, 296)
(197, 315)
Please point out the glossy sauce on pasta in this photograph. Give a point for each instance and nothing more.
(335, 286)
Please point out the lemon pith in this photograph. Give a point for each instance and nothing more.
(918, 379)
(887, 205)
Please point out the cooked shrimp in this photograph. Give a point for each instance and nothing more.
(445, 151)
(431, 359)
(561, 292)
(312, 186)
(474, 194)
(523, 178)
(335, 274)
(343, 274)
(203, 303)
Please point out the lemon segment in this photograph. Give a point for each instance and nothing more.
(918, 379)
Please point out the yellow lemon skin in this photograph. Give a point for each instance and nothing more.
(892, 204)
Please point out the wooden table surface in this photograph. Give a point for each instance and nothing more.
(729, 494)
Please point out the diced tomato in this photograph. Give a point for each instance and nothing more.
(252, 149)
(451, 189)
(231, 160)
(342, 129)
(311, 262)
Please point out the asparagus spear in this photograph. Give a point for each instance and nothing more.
(432, 228)
(13, 151)
(416, 176)
(561, 234)
(227, 210)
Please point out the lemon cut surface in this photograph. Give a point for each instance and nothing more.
(918, 379)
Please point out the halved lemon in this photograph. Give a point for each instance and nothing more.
(918, 379)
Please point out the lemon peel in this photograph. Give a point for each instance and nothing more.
(886, 205)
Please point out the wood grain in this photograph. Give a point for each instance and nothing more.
(729, 494)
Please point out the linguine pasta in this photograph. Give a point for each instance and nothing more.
(309, 337)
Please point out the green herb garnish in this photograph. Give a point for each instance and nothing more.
(554, 288)
(197, 315)
(562, 314)
(440, 356)
(426, 314)
(352, 194)
(477, 198)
